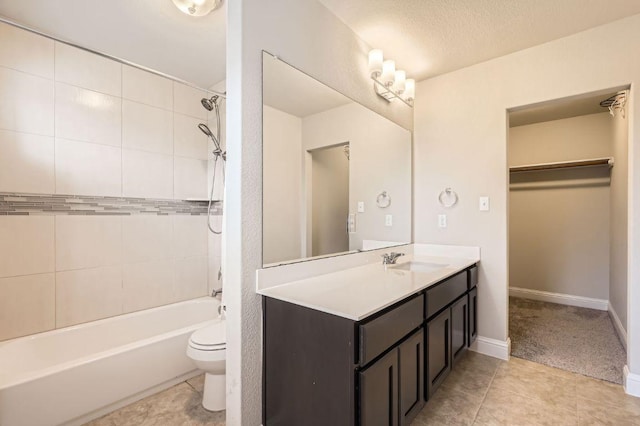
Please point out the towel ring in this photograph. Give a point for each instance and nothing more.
(383, 200)
(448, 198)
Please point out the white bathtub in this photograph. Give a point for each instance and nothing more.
(75, 374)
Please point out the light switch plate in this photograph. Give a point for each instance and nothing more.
(360, 206)
(484, 204)
(388, 220)
(442, 221)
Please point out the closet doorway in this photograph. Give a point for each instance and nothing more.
(568, 233)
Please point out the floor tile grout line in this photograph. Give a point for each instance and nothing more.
(486, 392)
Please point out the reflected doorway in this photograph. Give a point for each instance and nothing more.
(329, 200)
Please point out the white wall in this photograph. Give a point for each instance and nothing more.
(306, 35)
(76, 123)
(559, 220)
(380, 153)
(461, 142)
(282, 174)
(619, 222)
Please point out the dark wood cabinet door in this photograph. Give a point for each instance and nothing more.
(308, 367)
(438, 350)
(473, 315)
(459, 327)
(411, 385)
(379, 392)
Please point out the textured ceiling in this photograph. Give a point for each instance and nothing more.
(425, 37)
(152, 33)
(431, 37)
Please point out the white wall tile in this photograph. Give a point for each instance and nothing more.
(26, 245)
(190, 278)
(26, 51)
(186, 100)
(26, 163)
(218, 193)
(190, 178)
(147, 128)
(214, 254)
(146, 174)
(88, 241)
(88, 294)
(146, 238)
(87, 169)
(147, 88)
(81, 68)
(89, 116)
(188, 140)
(189, 235)
(26, 102)
(27, 305)
(147, 285)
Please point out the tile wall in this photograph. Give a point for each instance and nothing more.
(78, 124)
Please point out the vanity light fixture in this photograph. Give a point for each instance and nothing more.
(388, 82)
(197, 7)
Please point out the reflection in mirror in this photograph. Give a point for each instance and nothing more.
(336, 176)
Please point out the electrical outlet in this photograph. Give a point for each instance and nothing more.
(360, 206)
(442, 221)
(388, 220)
(351, 223)
(484, 204)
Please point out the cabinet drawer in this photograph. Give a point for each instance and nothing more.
(473, 276)
(446, 292)
(381, 333)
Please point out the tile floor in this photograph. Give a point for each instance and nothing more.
(480, 391)
(176, 406)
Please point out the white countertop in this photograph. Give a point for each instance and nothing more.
(358, 292)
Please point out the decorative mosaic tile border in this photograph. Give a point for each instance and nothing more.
(49, 204)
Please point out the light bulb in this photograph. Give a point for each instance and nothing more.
(388, 73)
(410, 89)
(197, 7)
(399, 82)
(375, 63)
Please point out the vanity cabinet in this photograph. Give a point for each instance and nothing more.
(438, 350)
(323, 369)
(459, 327)
(448, 325)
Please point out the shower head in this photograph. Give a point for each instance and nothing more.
(209, 103)
(205, 129)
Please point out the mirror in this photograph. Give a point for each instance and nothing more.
(336, 175)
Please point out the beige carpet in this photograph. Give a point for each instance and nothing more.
(580, 340)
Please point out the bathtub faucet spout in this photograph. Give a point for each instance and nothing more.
(216, 292)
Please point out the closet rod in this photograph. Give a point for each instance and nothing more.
(608, 161)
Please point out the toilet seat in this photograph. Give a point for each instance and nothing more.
(209, 338)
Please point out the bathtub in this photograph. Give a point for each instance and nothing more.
(75, 374)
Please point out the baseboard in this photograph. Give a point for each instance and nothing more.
(560, 298)
(495, 348)
(631, 382)
(617, 324)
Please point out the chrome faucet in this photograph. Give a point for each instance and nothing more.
(390, 258)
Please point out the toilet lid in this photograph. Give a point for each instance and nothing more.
(211, 336)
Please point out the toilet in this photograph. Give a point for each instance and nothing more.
(207, 348)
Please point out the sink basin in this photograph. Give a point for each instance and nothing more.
(419, 266)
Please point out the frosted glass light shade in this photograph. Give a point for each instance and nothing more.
(388, 73)
(399, 82)
(410, 89)
(375, 63)
(197, 7)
